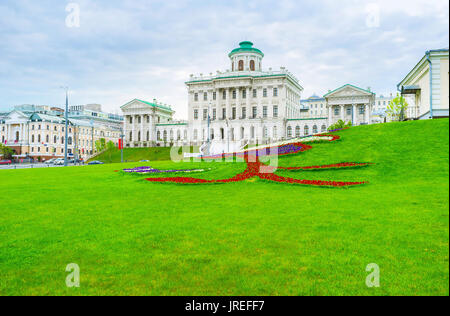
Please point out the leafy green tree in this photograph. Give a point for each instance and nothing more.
(397, 108)
(6, 152)
(110, 146)
(100, 145)
(339, 125)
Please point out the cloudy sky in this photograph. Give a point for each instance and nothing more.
(125, 49)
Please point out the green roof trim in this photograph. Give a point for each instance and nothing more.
(348, 85)
(173, 124)
(238, 76)
(308, 119)
(156, 105)
(246, 47)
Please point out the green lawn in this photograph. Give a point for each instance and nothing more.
(137, 154)
(130, 236)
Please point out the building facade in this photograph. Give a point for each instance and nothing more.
(38, 132)
(244, 105)
(428, 95)
(379, 111)
(315, 106)
(350, 104)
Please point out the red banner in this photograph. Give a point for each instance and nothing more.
(120, 144)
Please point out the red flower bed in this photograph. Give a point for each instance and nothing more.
(256, 169)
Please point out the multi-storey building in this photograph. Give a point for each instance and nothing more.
(379, 111)
(316, 107)
(243, 105)
(39, 132)
(426, 86)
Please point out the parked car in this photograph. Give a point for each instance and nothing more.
(50, 161)
(5, 162)
(95, 162)
(59, 162)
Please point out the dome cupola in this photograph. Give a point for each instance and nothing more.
(246, 58)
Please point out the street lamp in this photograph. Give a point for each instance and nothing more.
(66, 118)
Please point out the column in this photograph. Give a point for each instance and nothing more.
(367, 113)
(330, 119)
(342, 107)
(142, 129)
(354, 114)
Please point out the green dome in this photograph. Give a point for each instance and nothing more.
(246, 47)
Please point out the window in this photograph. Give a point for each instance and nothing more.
(131, 136)
(205, 96)
(222, 133)
(233, 113)
(214, 114)
(275, 111)
(195, 134)
(252, 65)
(274, 132)
(148, 136)
(244, 113)
(241, 65)
(165, 136)
(315, 129)
(255, 93)
(336, 111)
(139, 119)
(275, 92)
(185, 135)
(234, 94)
(349, 111)
(139, 136)
(289, 132)
(214, 95)
(264, 111)
(212, 133)
(224, 95)
(32, 139)
(361, 109)
(244, 94)
(196, 114)
(47, 139)
(224, 113)
(171, 134)
(265, 133)
(264, 93)
(254, 112)
(297, 131)
(131, 121)
(158, 135)
(324, 128)
(306, 130)
(205, 114)
(252, 132)
(242, 132)
(195, 96)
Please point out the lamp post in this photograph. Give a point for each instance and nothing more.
(121, 144)
(66, 118)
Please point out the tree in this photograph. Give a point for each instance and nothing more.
(100, 145)
(6, 152)
(110, 146)
(397, 108)
(339, 125)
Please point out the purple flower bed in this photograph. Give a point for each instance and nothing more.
(152, 170)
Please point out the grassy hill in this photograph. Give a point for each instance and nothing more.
(130, 236)
(136, 154)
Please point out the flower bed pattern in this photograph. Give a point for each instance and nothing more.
(143, 170)
(256, 169)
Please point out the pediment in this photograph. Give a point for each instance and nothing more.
(348, 91)
(16, 116)
(135, 105)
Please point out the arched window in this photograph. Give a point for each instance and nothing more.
(324, 128)
(306, 130)
(178, 135)
(297, 131)
(315, 129)
(289, 132)
(158, 135)
(171, 134)
(165, 135)
(195, 134)
(252, 65)
(222, 133)
(241, 65)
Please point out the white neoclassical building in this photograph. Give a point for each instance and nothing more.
(350, 104)
(244, 104)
